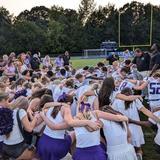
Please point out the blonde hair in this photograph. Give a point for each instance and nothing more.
(2, 87)
(38, 85)
(85, 114)
(21, 102)
(115, 63)
(4, 79)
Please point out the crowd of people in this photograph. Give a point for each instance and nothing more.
(52, 111)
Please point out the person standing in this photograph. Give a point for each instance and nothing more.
(112, 58)
(59, 62)
(35, 62)
(142, 61)
(66, 58)
(126, 54)
(155, 58)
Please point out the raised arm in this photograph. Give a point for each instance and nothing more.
(33, 106)
(96, 104)
(155, 67)
(127, 98)
(29, 126)
(141, 123)
(52, 125)
(51, 104)
(111, 117)
(79, 123)
(150, 114)
(142, 86)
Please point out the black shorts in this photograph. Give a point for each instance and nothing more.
(13, 151)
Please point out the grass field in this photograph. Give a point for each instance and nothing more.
(79, 63)
(148, 148)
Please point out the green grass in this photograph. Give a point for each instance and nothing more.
(148, 148)
(79, 63)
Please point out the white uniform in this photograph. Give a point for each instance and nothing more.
(57, 134)
(80, 91)
(84, 138)
(15, 136)
(157, 138)
(153, 92)
(113, 96)
(59, 91)
(118, 147)
(126, 84)
(132, 112)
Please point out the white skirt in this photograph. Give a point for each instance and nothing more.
(121, 152)
(137, 136)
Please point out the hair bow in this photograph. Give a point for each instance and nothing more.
(84, 106)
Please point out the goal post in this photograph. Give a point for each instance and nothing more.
(140, 45)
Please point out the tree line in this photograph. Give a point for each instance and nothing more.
(54, 30)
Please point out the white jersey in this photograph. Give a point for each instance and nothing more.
(116, 74)
(153, 92)
(85, 138)
(115, 133)
(157, 138)
(132, 112)
(57, 134)
(118, 147)
(126, 84)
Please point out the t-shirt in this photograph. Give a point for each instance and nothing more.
(155, 59)
(15, 136)
(157, 138)
(142, 62)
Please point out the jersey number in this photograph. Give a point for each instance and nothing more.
(154, 88)
(124, 84)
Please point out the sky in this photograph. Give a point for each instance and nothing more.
(16, 6)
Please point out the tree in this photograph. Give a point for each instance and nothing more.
(5, 30)
(26, 36)
(56, 36)
(57, 29)
(101, 25)
(135, 21)
(38, 15)
(86, 8)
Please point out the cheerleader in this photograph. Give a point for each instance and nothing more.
(131, 109)
(55, 144)
(88, 143)
(118, 139)
(151, 123)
